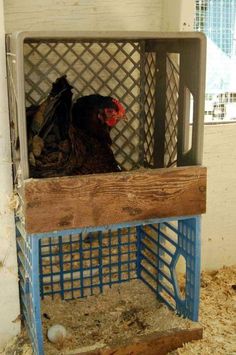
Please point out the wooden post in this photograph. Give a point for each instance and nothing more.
(158, 343)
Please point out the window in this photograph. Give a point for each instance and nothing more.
(217, 19)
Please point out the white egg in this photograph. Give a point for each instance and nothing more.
(56, 333)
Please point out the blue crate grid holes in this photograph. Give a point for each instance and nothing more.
(82, 262)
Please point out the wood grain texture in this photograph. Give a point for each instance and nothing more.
(96, 200)
(159, 343)
(107, 15)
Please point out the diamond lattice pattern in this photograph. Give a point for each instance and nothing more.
(172, 94)
(121, 69)
(106, 68)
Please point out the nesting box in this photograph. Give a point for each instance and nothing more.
(159, 78)
(73, 264)
(141, 221)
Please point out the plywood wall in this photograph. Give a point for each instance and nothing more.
(83, 15)
(219, 223)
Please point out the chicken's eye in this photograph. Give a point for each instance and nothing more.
(110, 112)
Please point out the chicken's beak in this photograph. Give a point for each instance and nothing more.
(122, 118)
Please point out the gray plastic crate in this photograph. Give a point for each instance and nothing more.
(159, 77)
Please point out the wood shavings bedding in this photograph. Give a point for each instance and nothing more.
(18, 346)
(122, 312)
(217, 316)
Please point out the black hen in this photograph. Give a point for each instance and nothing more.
(92, 118)
(65, 141)
(96, 114)
(55, 111)
(48, 131)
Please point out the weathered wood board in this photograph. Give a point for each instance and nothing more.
(95, 200)
(159, 343)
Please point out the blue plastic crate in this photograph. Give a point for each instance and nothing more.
(82, 262)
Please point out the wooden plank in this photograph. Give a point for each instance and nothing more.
(159, 343)
(79, 15)
(96, 200)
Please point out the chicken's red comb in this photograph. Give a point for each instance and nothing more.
(121, 109)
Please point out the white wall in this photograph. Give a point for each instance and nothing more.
(219, 223)
(9, 299)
